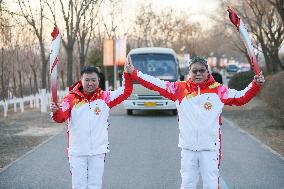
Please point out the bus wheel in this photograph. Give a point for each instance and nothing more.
(129, 112)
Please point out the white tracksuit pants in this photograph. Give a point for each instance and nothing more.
(87, 171)
(204, 162)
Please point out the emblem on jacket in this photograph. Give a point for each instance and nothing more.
(207, 105)
(97, 111)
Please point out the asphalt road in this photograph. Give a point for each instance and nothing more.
(144, 155)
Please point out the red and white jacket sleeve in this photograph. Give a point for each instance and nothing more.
(63, 113)
(238, 98)
(122, 93)
(165, 88)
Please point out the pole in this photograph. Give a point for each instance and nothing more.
(114, 63)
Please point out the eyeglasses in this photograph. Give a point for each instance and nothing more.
(200, 71)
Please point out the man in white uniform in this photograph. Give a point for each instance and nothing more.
(199, 102)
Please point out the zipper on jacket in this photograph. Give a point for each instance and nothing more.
(89, 105)
(197, 141)
(90, 109)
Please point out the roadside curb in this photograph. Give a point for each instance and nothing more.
(234, 125)
(29, 152)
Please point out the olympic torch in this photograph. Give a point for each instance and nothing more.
(53, 60)
(235, 19)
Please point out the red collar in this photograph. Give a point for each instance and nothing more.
(77, 88)
(203, 85)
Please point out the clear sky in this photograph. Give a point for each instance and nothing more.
(197, 6)
(198, 9)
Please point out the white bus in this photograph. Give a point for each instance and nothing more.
(158, 62)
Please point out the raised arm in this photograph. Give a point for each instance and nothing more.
(122, 93)
(238, 98)
(165, 88)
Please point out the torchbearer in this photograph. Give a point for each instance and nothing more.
(199, 102)
(86, 108)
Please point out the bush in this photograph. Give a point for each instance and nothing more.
(241, 80)
(272, 93)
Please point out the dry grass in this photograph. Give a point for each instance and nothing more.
(21, 132)
(273, 94)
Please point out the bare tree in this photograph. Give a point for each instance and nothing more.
(2, 75)
(144, 24)
(110, 22)
(223, 39)
(5, 39)
(35, 18)
(189, 37)
(86, 31)
(166, 26)
(279, 5)
(30, 55)
(19, 69)
(2, 53)
(165, 29)
(268, 29)
(11, 70)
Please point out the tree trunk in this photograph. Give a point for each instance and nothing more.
(274, 61)
(267, 65)
(20, 83)
(48, 82)
(280, 9)
(62, 80)
(82, 62)
(43, 66)
(14, 82)
(82, 55)
(31, 86)
(69, 52)
(2, 75)
(265, 52)
(274, 65)
(35, 81)
(278, 61)
(77, 73)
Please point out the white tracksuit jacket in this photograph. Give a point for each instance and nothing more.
(199, 107)
(87, 126)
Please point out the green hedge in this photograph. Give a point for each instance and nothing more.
(241, 80)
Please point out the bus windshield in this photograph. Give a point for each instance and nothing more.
(162, 66)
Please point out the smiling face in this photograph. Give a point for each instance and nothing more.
(198, 73)
(90, 82)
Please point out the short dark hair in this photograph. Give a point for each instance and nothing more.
(198, 59)
(89, 70)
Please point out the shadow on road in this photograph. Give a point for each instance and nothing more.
(154, 113)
